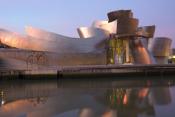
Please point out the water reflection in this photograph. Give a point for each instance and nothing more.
(85, 98)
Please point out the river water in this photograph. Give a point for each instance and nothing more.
(107, 97)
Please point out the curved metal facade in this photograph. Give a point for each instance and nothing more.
(43, 34)
(88, 32)
(98, 23)
(54, 43)
(161, 46)
(161, 49)
(98, 29)
(110, 27)
(113, 15)
(90, 48)
(147, 31)
(50, 36)
(64, 50)
(140, 53)
(126, 24)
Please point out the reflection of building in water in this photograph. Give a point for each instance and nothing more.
(116, 98)
(110, 113)
(86, 112)
(2, 98)
(161, 95)
(38, 100)
(137, 101)
(130, 102)
(97, 100)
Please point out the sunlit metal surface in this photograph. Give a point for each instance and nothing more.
(113, 15)
(161, 49)
(22, 59)
(98, 29)
(98, 23)
(140, 53)
(50, 36)
(88, 32)
(92, 46)
(126, 24)
(147, 31)
(161, 46)
(60, 44)
(110, 27)
(58, 50)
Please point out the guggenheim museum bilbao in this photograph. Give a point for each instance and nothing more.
(118, 40)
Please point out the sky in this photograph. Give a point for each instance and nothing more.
(65, 16)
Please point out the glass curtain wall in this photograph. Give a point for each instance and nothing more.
(118, 51)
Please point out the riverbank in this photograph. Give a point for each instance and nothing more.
(94, 71)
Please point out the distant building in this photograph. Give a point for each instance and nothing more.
(171, 59)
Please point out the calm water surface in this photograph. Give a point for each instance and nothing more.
(88, 98)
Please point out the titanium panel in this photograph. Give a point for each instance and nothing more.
(57, 44)
(140, 53)
(50, 36)
(113, 15)
(161, 46)
(88, 32)
(110, 27)
(147, 31)
(98, 29)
